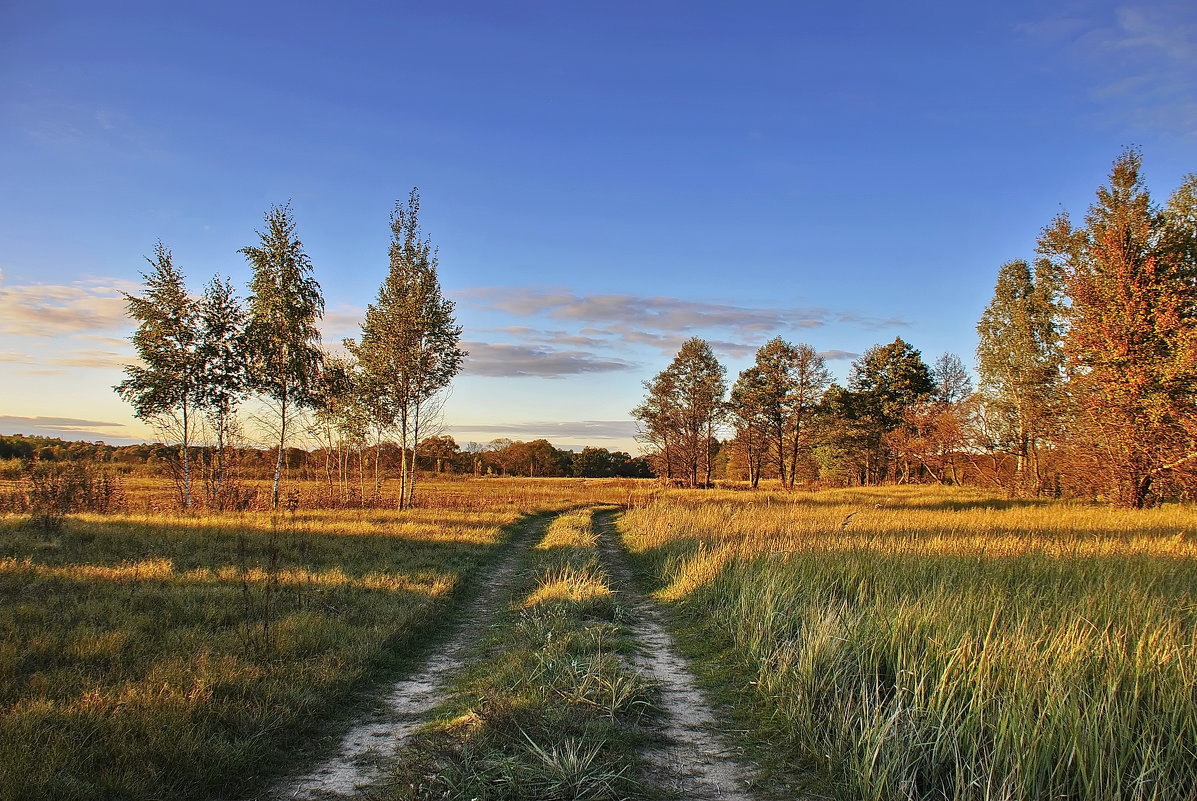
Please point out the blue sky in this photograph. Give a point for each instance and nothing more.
(603, 180)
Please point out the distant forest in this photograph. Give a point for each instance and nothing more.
(440, 455)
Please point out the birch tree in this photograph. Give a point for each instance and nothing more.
(164, 388)
(224, 381)
(409, 346)
(284, 306)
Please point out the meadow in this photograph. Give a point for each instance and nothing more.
(875, 643)
(150, 654)
(922, 643)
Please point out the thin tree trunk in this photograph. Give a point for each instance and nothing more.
(219, 478)
(403, 476)
(282, 441)
(377, 462)
(415, 451)
(328, 453)
(186, 448)
(361, 473)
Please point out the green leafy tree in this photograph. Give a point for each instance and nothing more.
(285, 305)
(887, 380)
(1019, 361)
(409, 348)
(1131, 336)
(224, 381)
(164, 389)
(594, 463)
(339, 421)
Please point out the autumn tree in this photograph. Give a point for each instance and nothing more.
(164, 387)
(748, 449)
(776, 397)
(683, 408)
(658, 425)
(283, 342)
(1131, 328)
(932, 431)
(440, 449)
(952, 381)
(409, 346)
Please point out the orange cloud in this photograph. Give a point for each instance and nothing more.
(46, 310)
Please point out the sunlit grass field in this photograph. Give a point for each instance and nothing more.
(927, 643)
(884, 643)
(175, 656)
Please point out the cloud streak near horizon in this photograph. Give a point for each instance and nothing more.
(523, 361)
(607, 322)
(633, 315)
(49, 310)
(575, 429)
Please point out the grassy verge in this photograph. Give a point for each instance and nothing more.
(152, 657)
(940, 645)
(549, 710)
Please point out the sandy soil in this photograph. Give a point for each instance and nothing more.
(696, 762)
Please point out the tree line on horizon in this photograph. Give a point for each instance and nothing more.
(1087, 367)
(439, 454)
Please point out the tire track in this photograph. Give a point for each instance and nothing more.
(365, 750)
(696, 762)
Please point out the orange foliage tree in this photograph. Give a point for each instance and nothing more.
(1130, 340)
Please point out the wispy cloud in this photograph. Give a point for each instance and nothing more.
(341, 322)
(838, 355)
(100, 359)
(642, 313)
(48, 310)
(573, 429)
(514, 361)
(107, 341)
(69, 428)
(1142, 59)
(66, 424)
(601, 324)
(552, 337)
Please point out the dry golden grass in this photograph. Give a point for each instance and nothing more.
(931, 643)
(157, 654)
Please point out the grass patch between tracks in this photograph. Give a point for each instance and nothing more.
(549, 710)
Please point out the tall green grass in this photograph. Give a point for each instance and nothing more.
(945, 645)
